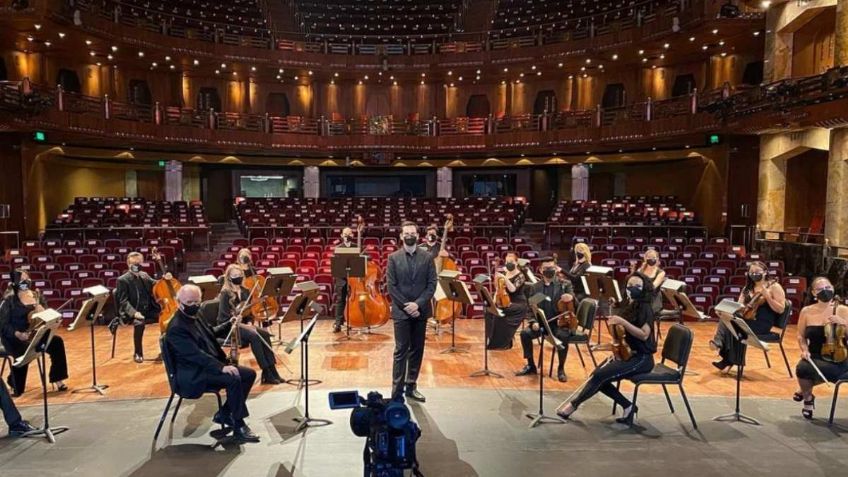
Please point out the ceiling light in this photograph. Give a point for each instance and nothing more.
(167, 58)
(450, 73)
(196, 62)
(252, 68)
(154, 64)
(334, 74)
(533, 67)
(422, 82)
(223, 66)
(114, 48)
(235, 73)
(560, 65)
(360, 81)
(37, 26)
(91, 53)
(30, 38)
(47, 43)
(109, 57)
(366, 77)
(88, 42)
(478, 72)
(217, 72)
(310, 72)
(667, 46)
(641, 52)
(588, 60)
(715, 31)
(174, 67)
(615, 56)
(691, 38)
(506, 70)
(61, 34)
(423, 75)
(141, 54)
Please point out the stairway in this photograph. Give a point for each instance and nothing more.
(223, 235)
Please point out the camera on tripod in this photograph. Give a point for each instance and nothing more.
(390, 435)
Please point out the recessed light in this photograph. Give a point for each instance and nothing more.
(114, 48)
(615, 56)
(47, 43)
(560, 65)
(91, 53)
(715, 31)
(691, 38)
(88, 42)
(30, 38)
(196, 62)
(223, 66)
(37, 26)
(506, 70)
(154, 64)
(450, 73)
(252, 68)
(533, 67)
(141, 54)
(217, 72)
(167, 58)
(667, 46)
(310, 72)
(61, 34)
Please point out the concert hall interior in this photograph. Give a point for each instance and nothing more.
(225, 225)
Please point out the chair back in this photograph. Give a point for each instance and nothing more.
(168, 362)
(586, 314)
(209, 311)
(677, 345)
(783, 320)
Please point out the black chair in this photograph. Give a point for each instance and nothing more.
(839, 382)
(772, 338)
(7, 359)
(170, 370)
(586, 318)
(676, 349)
(209, 311)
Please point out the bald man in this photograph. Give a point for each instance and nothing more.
(201, 364)
(341, 284)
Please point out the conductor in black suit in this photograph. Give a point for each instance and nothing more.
(412, 282)
(201, 365)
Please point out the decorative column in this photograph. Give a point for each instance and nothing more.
(173, 181)
(444, 182)
(579, 182)
(311, 182)
(835, 219)
(840, 53)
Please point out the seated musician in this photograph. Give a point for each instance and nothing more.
(340, 284)
(231, 296)
(651, 268)
(638, 321)
(502, 329)
(582, 262)
(18, 304)
(557, 292)
(431, 243)
(811, 338)
(767, 314)
(201, 365)
(17, 426)
(135, 300)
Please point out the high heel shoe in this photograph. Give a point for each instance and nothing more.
(628, 419)
(59, 387)
(808, 413)
(797, 396)
(566, 415)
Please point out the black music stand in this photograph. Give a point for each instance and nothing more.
(545, 334)
(297, 312)
(348, 262)
(745, 336)
(456, 292)
(306, 421)
(89, 311)
(479, 282)
(600, 284)
(208, 285)
(279, 282)
(51, 319)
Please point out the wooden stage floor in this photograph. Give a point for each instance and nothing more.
(365, 363)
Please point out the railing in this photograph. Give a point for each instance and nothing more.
(609, 230)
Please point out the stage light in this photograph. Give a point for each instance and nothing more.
(37, 26)
(141, 54)
(252, 68)
(88, 42)
(506, 70)
(61, 34)
(615, 56)
(196, 62)
(114, 48)
(450, 73)
(30, 38)
(533, 67)
(47, 43)
(560, 65)
(667, 46)
(310, 72)
(691, 38)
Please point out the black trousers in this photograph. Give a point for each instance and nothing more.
(603, 378)
(58, 363)
(138, 330)
(528, 336)
(255, 337)
(10, 412)
(237, 387)
(409, 352)
(340, 301)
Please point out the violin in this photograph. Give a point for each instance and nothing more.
(620, 349)
(165, 293)
(366, 307)
(835, 347)
(502, 299)
(749, 311)
(446, 309)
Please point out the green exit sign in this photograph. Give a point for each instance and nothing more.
(713, 139)
(161, 163)
(39, 136)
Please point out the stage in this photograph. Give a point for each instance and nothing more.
(471, 426)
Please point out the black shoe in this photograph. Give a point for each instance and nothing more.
(412, 393)
(243, 434)
(20, 429)
(808, 413)
(276, 374)
(138, 358)
(628, 419)
(526, 370)
(223, 419)
(561, 376)
(337, 328)
(113, 325)
(721, 365)
(269, 378)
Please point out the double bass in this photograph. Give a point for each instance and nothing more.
(445, 309)
(165, 293)
(835, 347)
(365, 307)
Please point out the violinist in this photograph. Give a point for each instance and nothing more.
(201, 365)
(232, 294)
(135, 300)
(17, 305)
(651, 268)
(812, 338)
(502, 330)
(766, 315)
(638, 322)
(340, 284)
(582, 262)
(557, 292)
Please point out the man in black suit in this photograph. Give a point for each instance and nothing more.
(136, 303)
(412, 282)
(200, 365)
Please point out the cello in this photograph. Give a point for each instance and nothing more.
(365, 307)
(165, 293)
(263, 308)
(446, 310)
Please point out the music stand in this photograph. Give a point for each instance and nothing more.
(741, 332)
(208, 285)
(297, 311)
(602, 286)
(348, 262)
(306, 421)
(279, 282)
(479, 282)
(44, 334)
(540, 417)
(89, 311)
(457, 292)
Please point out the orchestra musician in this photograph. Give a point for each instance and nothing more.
(638, 322)
(136, 303)
(765, 318)
(411, 280)
(231, 295)
(431, 243)
(22, 300)
(557, 291)
(502, 329)
(340, 284)
(811, 338)
(582, 262)
(651, 268)
(17, 426)
(201, 365)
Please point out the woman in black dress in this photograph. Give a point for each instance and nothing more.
(811, 336)
(502, 328)
(582, 262)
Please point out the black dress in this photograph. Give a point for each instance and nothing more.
(730, 349)
(501, 329)
(575, 274)
(832, 371)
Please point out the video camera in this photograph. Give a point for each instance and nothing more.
(390, 433)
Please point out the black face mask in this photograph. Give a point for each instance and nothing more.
(581, 255)
(190, 310)
(652, 261)
(510, 266)
(245, 259)
(549, 273)
(347, 238)
(825, 295)
(237, 280)
(635, 293)
(431, 238)
(135, 268)
(24, 285)
(410, 241)
(755, 277)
